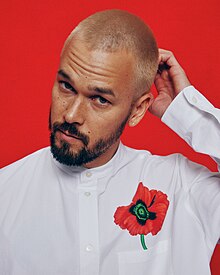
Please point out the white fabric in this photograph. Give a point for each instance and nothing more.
(200, 127)
(58, 220)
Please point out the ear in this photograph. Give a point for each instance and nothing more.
(139, 109)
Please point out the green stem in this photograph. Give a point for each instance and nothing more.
(143, 242)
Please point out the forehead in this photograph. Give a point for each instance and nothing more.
(114, 67)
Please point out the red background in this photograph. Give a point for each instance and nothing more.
(32, 35)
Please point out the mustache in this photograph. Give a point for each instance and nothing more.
(72, 130)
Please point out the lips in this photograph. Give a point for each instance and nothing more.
(68, 135)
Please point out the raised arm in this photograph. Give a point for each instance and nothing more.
(185, 110)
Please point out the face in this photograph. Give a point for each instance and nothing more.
(91, 103)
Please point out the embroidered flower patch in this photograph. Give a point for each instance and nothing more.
(145, 214)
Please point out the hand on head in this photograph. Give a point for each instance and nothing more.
(169, 81)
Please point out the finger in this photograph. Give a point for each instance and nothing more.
(164, 75)
(163, 84)
(167, 57)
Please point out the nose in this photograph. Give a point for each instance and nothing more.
(75, 111)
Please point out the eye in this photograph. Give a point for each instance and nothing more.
(100, 100)
(66, 86)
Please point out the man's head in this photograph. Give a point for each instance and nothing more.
(107, 66)
(116, 30)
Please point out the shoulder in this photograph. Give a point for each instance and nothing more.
(176, 164)
(146, 157)
(25, 164)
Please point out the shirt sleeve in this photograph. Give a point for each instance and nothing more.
(202, 200)
(197, 121)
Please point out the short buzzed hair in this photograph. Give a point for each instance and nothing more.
(115, 30)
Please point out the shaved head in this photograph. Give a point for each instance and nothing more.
(117, 30)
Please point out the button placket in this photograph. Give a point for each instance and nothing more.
(88, 228)
(88, 174)
(89, 248)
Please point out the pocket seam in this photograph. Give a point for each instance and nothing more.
(138, 256)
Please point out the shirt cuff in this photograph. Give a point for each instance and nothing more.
(185, 110)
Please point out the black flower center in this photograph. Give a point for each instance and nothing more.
(141, 212)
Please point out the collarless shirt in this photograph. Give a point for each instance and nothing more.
(59, 220)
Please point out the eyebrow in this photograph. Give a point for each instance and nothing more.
(63, 74)
(104, 91)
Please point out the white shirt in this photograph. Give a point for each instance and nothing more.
(59, 220)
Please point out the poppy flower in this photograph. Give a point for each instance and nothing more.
(145, 214)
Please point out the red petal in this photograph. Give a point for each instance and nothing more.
(121, 215)
(158, 203)
(143, 194)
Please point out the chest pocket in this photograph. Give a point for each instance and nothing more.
(154, 261)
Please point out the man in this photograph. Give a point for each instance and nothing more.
(83, 208)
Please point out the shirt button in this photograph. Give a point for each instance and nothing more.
(87, 194)
(194, 99)
(88, 174)
(89, 248)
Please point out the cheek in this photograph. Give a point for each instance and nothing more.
(58, 106)
(102, 126)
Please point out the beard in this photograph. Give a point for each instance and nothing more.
(63, 153)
